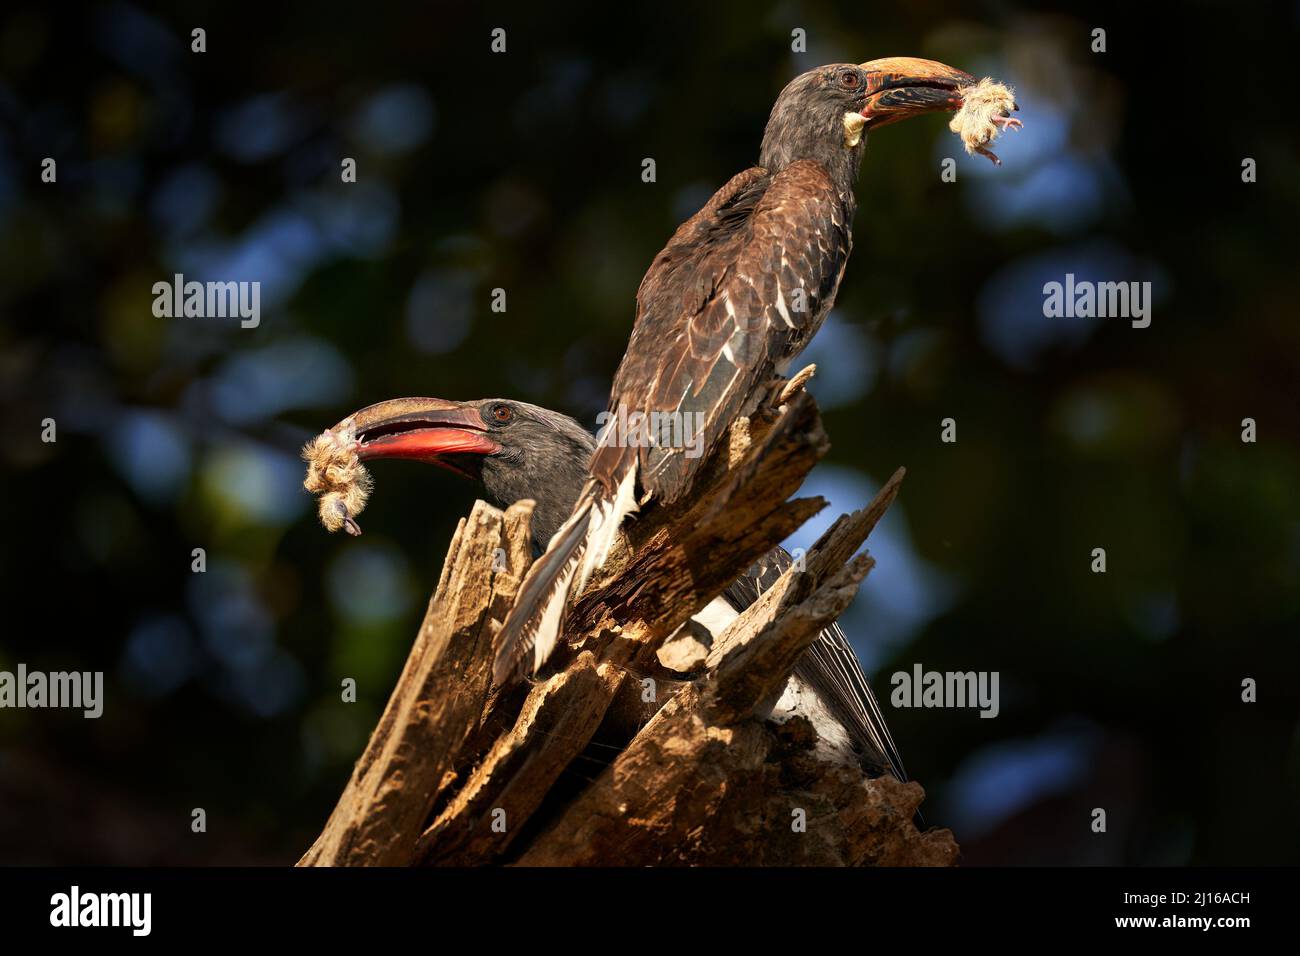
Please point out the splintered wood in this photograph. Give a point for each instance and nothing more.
(985, 113)
(335, 472)
(608, 759)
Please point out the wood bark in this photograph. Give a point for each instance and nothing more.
(608, 757)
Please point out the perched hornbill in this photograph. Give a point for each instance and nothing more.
(516, 450)
(735, 295)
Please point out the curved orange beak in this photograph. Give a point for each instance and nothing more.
(899, 87)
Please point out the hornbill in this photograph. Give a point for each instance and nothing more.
(736, 294)
(516, 450)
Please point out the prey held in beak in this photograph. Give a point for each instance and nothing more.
(985, 113)
(901, 87)
(335, 472)
(415, 429)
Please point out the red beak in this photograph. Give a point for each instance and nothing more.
(422, 429)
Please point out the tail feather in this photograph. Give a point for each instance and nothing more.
(606, 518)
(574, 553)
(533, 624)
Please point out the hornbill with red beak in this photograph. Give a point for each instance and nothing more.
(737, 293)
(516, 450)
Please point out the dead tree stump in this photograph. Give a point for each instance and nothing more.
(609, 757)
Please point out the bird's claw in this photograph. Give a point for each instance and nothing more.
(992, 156)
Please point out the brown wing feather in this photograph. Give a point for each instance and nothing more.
(681, 265)
(715, 316)
(719, 309)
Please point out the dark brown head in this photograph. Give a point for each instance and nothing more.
(514, 449)
(824, 114)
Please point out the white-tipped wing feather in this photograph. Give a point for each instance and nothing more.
(532, 628)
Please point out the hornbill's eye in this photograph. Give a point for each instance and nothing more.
(502, 414)
(850, 80)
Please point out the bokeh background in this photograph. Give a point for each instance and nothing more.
(522, 171)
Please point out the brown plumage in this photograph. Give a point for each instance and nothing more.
(739, 290)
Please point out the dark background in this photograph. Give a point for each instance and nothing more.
(522, 171)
